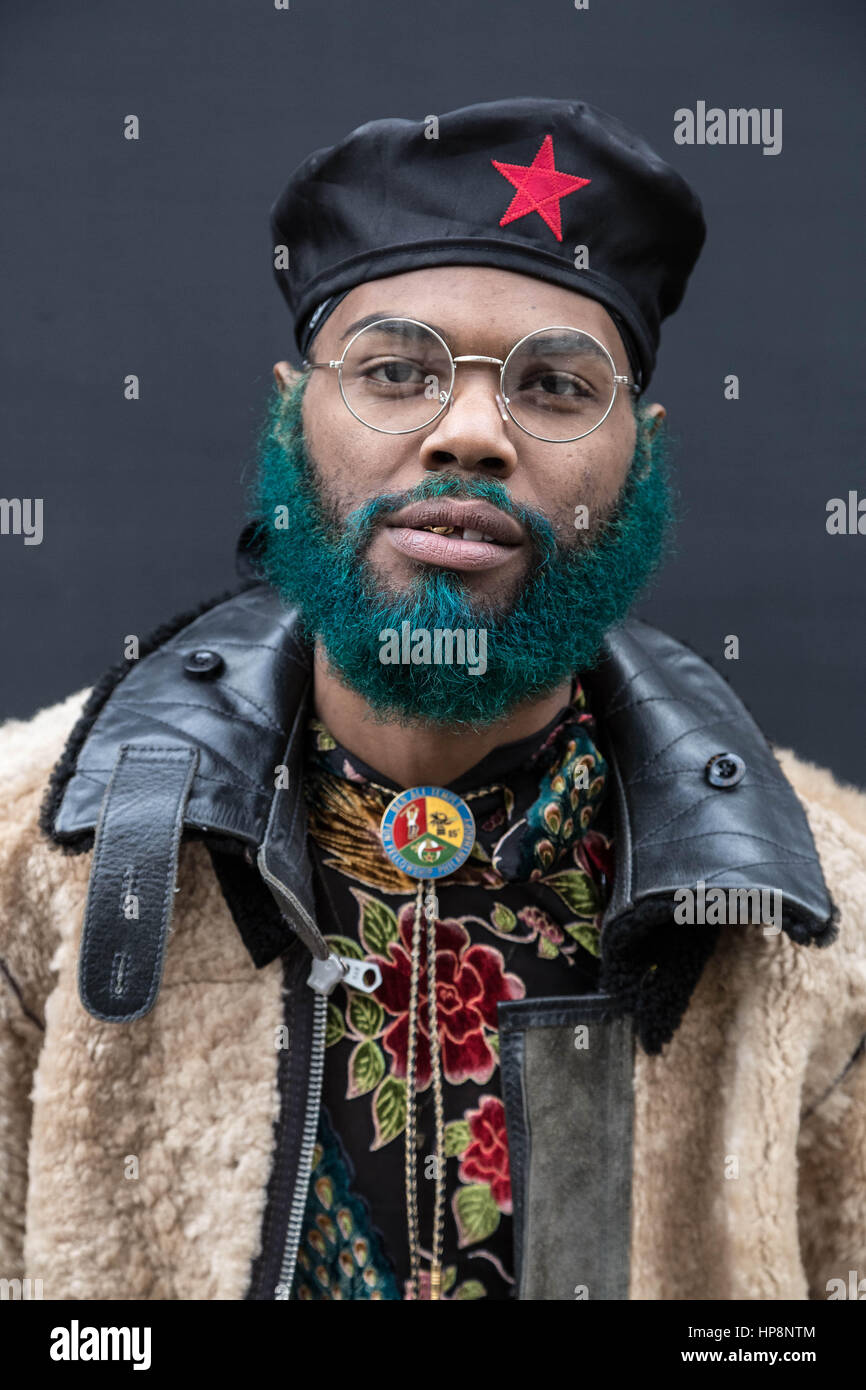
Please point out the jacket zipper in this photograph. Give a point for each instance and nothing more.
(311, 1124)
(324, 975)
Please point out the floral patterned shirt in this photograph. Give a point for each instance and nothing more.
(520, 918)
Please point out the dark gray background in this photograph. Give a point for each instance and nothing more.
(154, 258)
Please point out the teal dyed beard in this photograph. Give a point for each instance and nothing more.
(553, 630)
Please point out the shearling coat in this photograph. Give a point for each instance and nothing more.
(136, 1158)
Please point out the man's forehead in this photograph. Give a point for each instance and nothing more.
(471, 307)
(545, 187)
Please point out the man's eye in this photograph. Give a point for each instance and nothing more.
(395, 372)
(556, 384)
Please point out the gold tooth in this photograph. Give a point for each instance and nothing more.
(441, 530)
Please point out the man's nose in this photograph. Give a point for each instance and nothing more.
(475, 431)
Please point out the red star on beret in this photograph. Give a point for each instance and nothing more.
(539, 187)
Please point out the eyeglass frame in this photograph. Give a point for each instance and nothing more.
(618, 379)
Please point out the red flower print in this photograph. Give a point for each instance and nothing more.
(486, 1158)
(595, 855)
(470, 981)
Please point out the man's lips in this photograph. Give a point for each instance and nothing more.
(468, 536)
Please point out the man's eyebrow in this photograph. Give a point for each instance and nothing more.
(561, 342)
(549, 342)
(374, 318)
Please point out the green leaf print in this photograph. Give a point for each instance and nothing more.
(458, 1137)
(476, 1212)
(389, 1111)
(470, 1288)
(335, 1028)
(345, 946)
(577, 890)
(377, 925)
(365, 1015)
(366, 1069)
(503, 918)
(585, 934)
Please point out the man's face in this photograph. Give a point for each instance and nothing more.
(345, 511)
(479, 311)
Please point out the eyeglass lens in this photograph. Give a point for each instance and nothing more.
(396, 376)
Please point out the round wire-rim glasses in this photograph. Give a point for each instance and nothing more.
(444, 397)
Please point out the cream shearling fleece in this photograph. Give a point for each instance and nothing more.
(135, 1157)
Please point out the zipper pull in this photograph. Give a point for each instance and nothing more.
(334, 970)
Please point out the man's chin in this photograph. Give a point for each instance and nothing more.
(486, 595)
(448, 709)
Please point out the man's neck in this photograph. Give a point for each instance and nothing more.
(414, 757)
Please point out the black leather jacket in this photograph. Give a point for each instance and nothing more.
(186, 741)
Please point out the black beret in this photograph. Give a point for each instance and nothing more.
(517, 184)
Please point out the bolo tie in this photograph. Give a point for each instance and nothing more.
(427, 832)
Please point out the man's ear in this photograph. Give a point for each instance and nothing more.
(657, 413)
(650, 418)
(285, 375)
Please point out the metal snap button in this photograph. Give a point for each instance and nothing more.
(725, 770)
(203, 664)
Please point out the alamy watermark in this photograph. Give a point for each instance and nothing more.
(846, 519)
(854, 1289)
(738, 125)
(703, 906)
(22, 516)
(20, 1290)
(443, 646)
(77, 1343)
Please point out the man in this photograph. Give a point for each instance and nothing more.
(426, 928)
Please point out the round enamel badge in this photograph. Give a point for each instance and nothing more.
(428, 832)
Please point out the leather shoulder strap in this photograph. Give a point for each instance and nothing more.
(130, 897)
